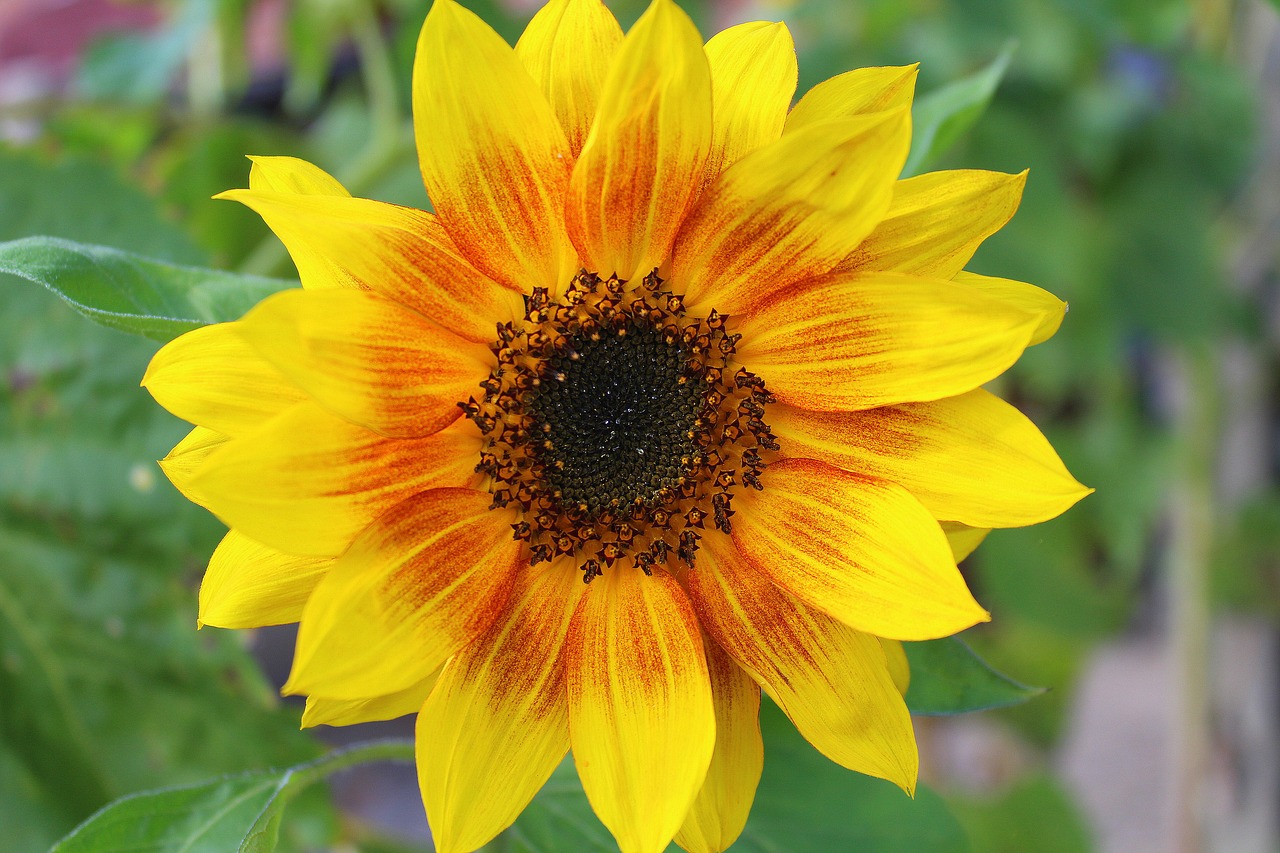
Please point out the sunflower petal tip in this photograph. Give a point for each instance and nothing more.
(291, 686)
(666, 12)
(440, 11)
(907, 775)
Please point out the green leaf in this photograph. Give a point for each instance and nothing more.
(240, 812)
(558, 818)
(133, 293)
(84, 200)
(212, 816)
(105, 685)
(804, 804)
(948, 678)
(1016, 820)
(807, 804)
(940, 117)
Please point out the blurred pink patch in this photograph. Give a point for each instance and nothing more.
(40, 45)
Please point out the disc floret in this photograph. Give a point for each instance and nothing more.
(619, 425)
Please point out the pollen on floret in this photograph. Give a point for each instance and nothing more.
(619, 425)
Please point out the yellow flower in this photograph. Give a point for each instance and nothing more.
(664, 335)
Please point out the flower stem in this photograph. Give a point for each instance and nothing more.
(398, 749)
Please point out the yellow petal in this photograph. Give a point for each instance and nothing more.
(187, 459)
(640, 711)
(248, 584)
(291, 175)
(1034, 300)
(899, 667)
(643, 160)
(832, 681)
(720, 811)
(857, 92)
(753, 76)
(308, 482)
(321, 711)
(366, 358)
(860, 550)
(422, 582)
(857, 342)
(497, 724)
(401, 253)
(937, 221)
(972, 458)
(567, 48)
(963, 540)
(493, 156)
(789, 211)
(211, 376)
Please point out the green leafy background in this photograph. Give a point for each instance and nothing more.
(1140, 124)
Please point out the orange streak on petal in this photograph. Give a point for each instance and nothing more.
(789, 210)
(309, 482)
(642, 162)
(719, 813)
(568, 48)
(399, 252)
(640, 709)
(971, 458)
(753, 76)
(498, 723)
(842, 342)
(427, 578)
(493, 156)
(366, 358)
(861, 550)
(832, 681)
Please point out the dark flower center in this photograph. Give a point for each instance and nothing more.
(619, 425)
(619, 413)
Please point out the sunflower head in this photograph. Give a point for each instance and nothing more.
(674, 397)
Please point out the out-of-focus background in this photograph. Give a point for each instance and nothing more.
(1152, 132)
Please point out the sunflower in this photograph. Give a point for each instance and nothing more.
(674, 397)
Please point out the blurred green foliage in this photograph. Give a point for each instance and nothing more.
(1139, 130)
(106, 685)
